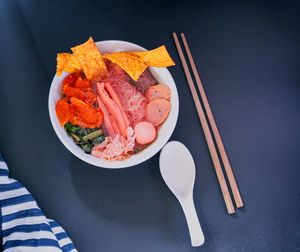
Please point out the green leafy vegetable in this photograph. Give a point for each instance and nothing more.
(71, 128)
(99, 140)
(86, 147)
(84, 137)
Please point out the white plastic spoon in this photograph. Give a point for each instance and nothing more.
(177, 168)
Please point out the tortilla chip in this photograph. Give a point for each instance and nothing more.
(158, 57)
(73, 65)
(90, 60)
(67, 62)
(61, 62)
(133, 65)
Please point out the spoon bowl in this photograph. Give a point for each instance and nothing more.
(177, 168)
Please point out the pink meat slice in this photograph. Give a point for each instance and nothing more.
(133, 101)
(107, 120)
(145, 81)
(116, 99)
(115, 126)
(112, 108)
(116, 72)
(118, 148)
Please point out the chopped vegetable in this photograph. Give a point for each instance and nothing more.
(98, 140)
(86, 147)
(84, 137)
(73, 92)
(76, 138)
(62, 112)
(71, 128)
(92, 135)
(70, 79)
(85, 115)
(82, 83)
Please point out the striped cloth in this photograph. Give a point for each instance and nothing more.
(24, 227)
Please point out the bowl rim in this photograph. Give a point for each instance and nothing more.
(156, 147)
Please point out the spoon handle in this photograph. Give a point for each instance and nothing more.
(196, 234)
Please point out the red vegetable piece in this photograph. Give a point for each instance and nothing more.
(70, 79)
(85, 115)
(62, 112)
(73, 92)
(82, 83)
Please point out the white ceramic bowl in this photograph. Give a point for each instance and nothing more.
(162, 75)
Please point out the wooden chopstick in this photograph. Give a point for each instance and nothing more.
(211, 119)
(207, 134)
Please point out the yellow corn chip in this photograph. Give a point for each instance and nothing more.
(61, 62)
(66, 62)
(90, 60)
(158, 57)
(73, 65)
(130, 63)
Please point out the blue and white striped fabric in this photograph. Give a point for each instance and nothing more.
(24, 227)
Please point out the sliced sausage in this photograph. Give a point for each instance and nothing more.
(161, 91)
(157, 111)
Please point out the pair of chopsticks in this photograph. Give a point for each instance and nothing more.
(208, 136)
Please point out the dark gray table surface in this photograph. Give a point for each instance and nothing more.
(248, 54)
